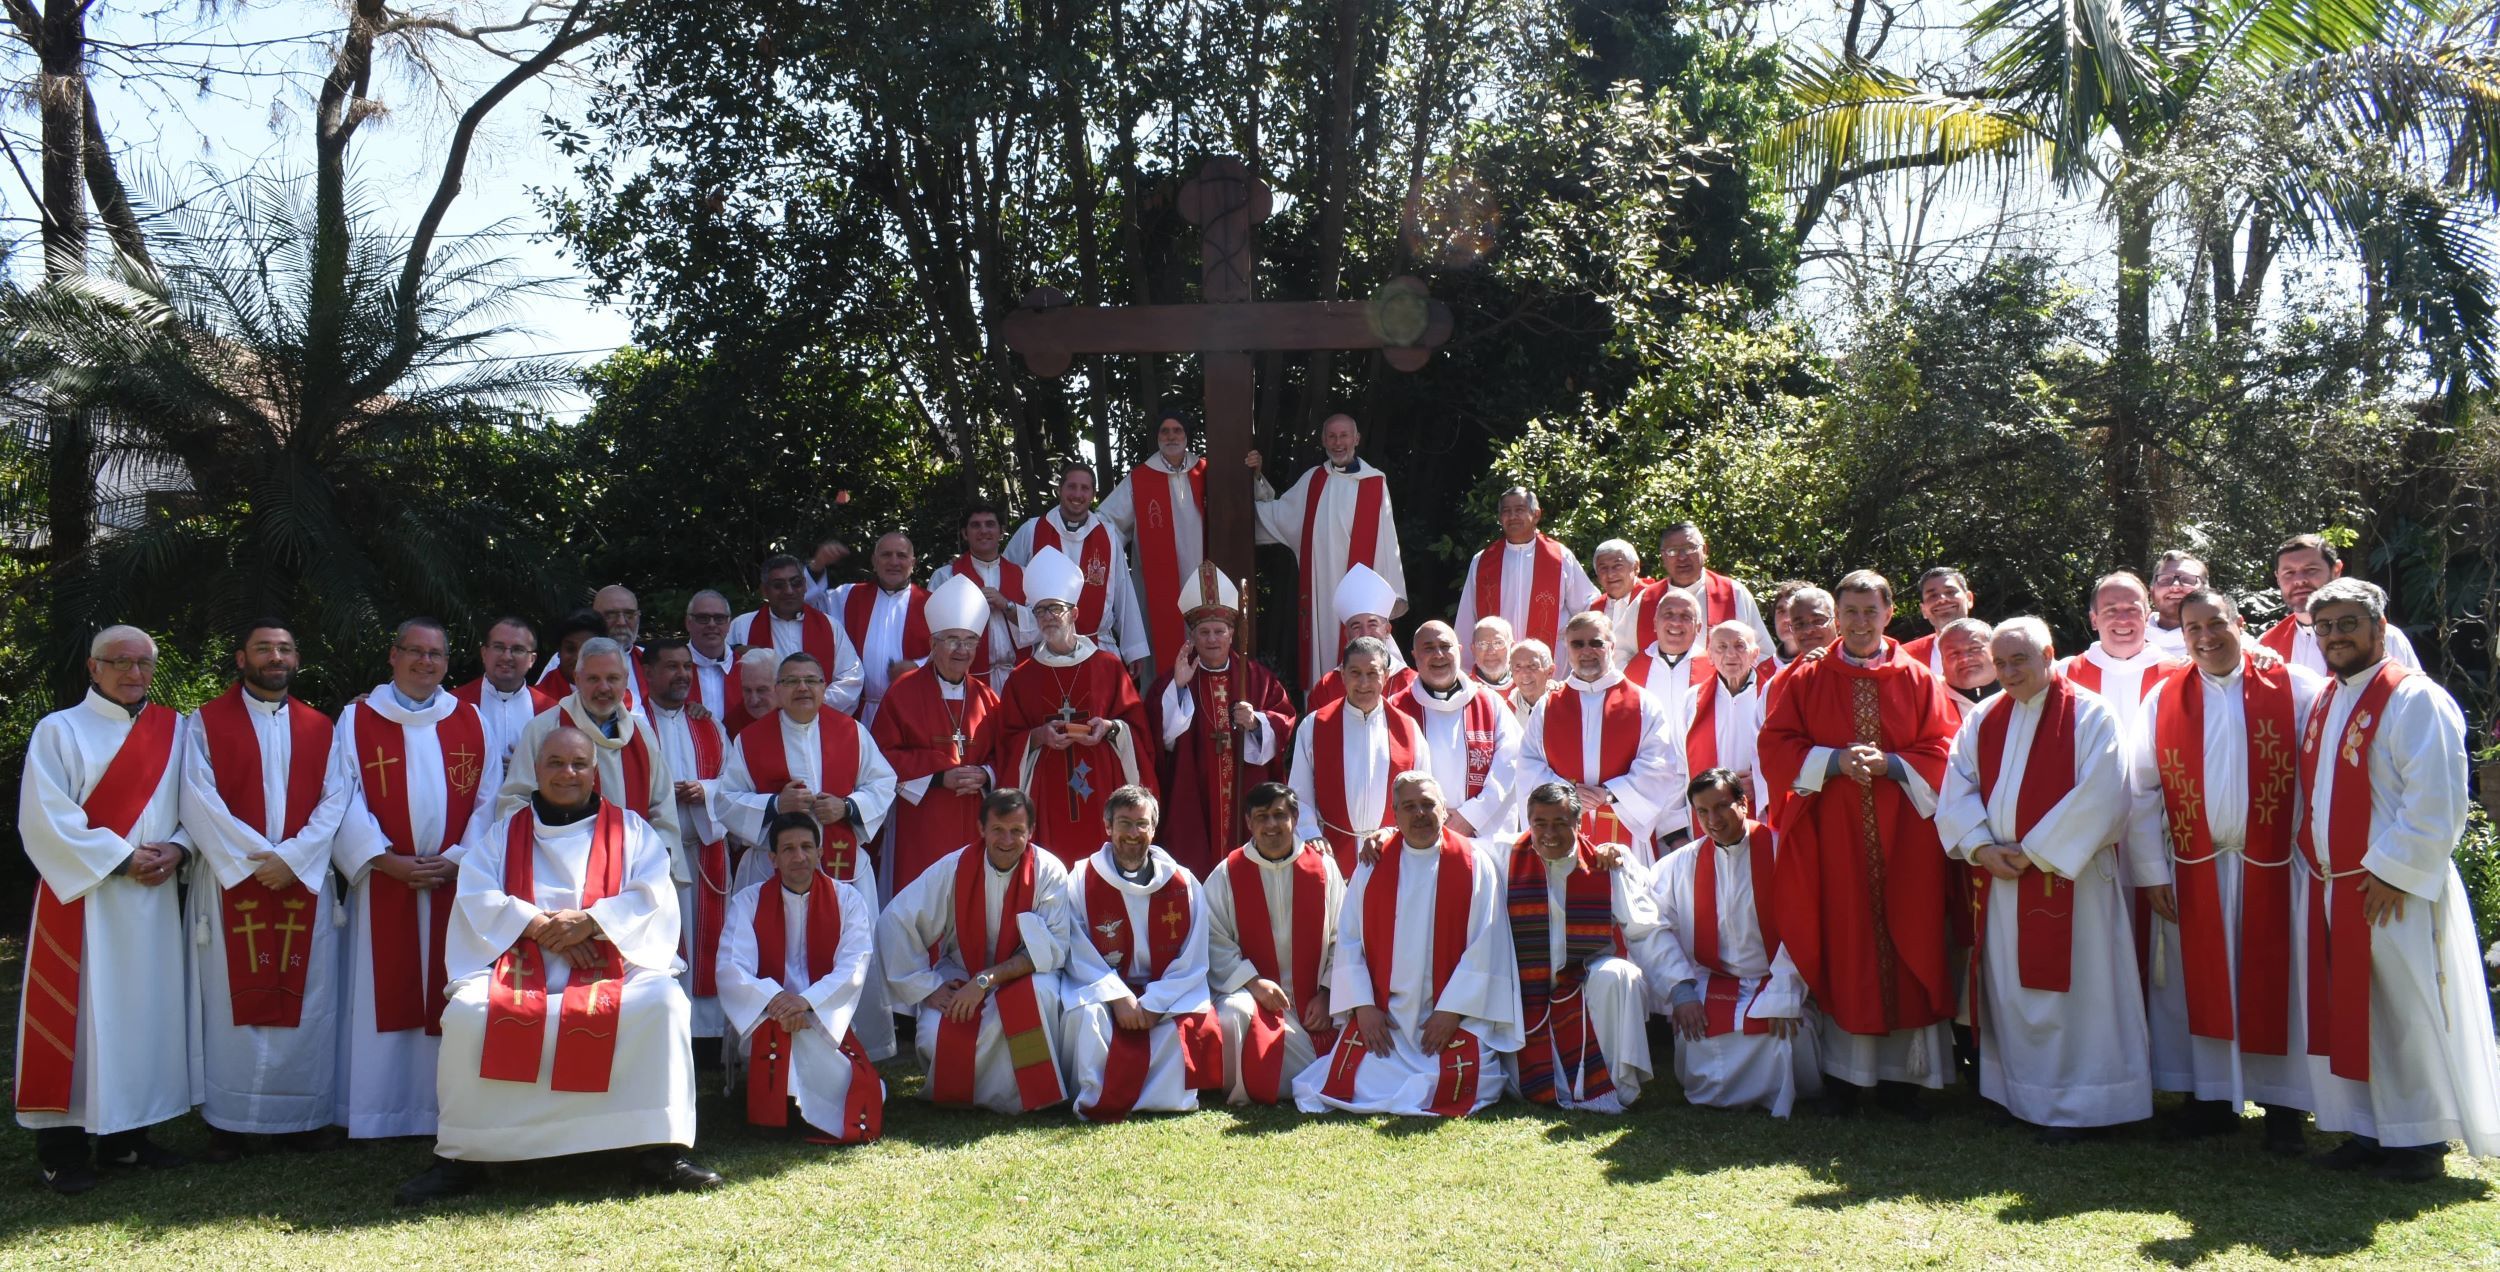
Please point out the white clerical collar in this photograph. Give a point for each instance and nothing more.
(1372, 714)
(1609, 680)
(2362, 677)
(1077, 528)
(1084, 649)
(790, 723)
(1159, 868)
(2223, 682)
(2140, 658)
(96, 701)
(1252, 851)
(659, 712)
(1461, 692)
(487, 689)
(1842, 648)
(948, 689)
(261, 705)
(706, 660)
(1740, 842)
(1672, 661)
(1529, 546)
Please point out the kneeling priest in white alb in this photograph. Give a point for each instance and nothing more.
(1139, 1033)
(794, 958)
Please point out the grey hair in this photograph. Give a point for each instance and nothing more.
(1372, 645)
(1137, 797)
(1619, 547)
(2030, 630)
(1975, 627)
(761, 658)
(601, 647)
(1417, 777)
(2369, 596)
(714, 594)
(1497, 623)
(1521, 492)
(115, 635)
(1741, 628)
(1534, 646)
(1557, 793)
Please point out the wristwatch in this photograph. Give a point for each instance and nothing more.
(983, 981)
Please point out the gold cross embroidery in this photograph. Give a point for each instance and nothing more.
(2190, 805)
(380, 765)
(2273, 775)
(1172, 920)
(294, 924)
(251, 943)
(512, 973)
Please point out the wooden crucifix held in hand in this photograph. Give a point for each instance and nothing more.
(1226, 203)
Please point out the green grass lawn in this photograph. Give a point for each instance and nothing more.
(1667, 1185)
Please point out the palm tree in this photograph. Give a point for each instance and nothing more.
(290, 478)
(2096, 92)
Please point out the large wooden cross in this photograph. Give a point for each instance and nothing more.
(1227, 203)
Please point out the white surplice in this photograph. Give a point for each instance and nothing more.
(921, 918)
(2433, 1077)
(1494, 810)
(386, 1080)
(130, 1065)
(2079, 1058)
(1366, 772)
(1483, 989)
(261, 1079)
(520, 778)
(1518, 589)
(1623, 618)
(1615, 990)
(1085, 1024)
(1229, 971)
(1649, 796)
(696, 826)
(843, 680)
(650, 1095)
(747, 811)
(1280, 521)
(820, 1075)
(888, 614)
(504, 715)
(1736, 1069)
(2215, 1068)
(1123, 626)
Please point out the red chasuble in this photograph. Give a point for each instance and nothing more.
(1862, 881)
(1328, 726)
(769, 765)
(1720, 992)
(265, 973)
(1070, 787)
(859, 605)
(405, 995)
(1371, 493)
(2265, 944)
(1263, 1042)
(2045, 911)
(915, 731)
(1168, 918)
(1092, 557)
(1453, 890)
(1545, 616)
(48, 1049)
(516, 987)
(1159, 553)
(2339, 954)
(1203, 776)
(951, 1066)
(768, 1049)
(1618, 744)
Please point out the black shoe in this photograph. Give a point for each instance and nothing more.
(670, 1168)
(69, 1180)
(2201, 1119)
(225, 1146)
(2418, 1165)
(137, 1152)
(2059, 1136)
(2283, 1137)
(320, 1139)
(442, 1181)
(2357, 1153)
(1901, 1100)
(1839, 1099)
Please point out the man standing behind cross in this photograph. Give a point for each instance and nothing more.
(1525, 576)
(1335, 517)
(1162, 507)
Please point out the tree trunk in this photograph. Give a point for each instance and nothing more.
(2124, 468)
(69, 442)
(1336, 188)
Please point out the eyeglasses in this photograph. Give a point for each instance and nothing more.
(1051, 608)
(722, 617)
(421, 655)
(2178, 580)
(620, 613)
(124, 666)
(1588, 644)
(954, 642)
(2348, 625)
(801, 682)
(512, 651)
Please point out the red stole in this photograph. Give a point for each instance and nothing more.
(266, 987)
(768, 1049)
(2339, 954)
(406, 996)
(1328, 773)
(1452, 892)
(1701, 737)
(2281, 637)
(837, 773)
(815, 636)
(2045, 947)
(1544, 585)
(1159, 553)
(2087, 674)
(1362, 546)
(711, 861)
(1168, 920)
(1479, 730)
(1093, 558)
(1019, 1011)
(1718, 605)
(54, 959)
(2264, 1006)
(1011, 582)
(1263, 1042)
(860, 603)
(516, 986)
(1618, 744)
(474, 694)
(1721, 989)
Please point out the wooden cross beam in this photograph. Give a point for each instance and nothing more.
(1226, 203)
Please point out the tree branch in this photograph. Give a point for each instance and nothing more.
(112, 201)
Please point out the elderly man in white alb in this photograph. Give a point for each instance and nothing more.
(100, 1039)
(1526, 576)
(974, 948)
(1425, 984)
(2036, 796)
(1615, 568)
(1336, 517)
(795, 956)
(567, 1031)
(1612, 740)
(1138, 1033)
(1471, 740)
(1744, 1028)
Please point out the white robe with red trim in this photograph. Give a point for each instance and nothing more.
(650, 1095)
(1229, 971)
(1494, 810)
(2078, 1058)
(888, 614)
(1280, 521)
(1367, 765)
(259, 1079)
(130, 1065)
(520, 775)
(916, 941)
(1483, 989)
(1617, 988)
(820, 1075)
(1734, 1070)
(2433, 1076)
(843, 680)
(696, 826)
(1123, 627)
(1085, 1024)
(1518, 589)
(1649, 796)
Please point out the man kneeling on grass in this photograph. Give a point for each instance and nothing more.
(794, 959)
